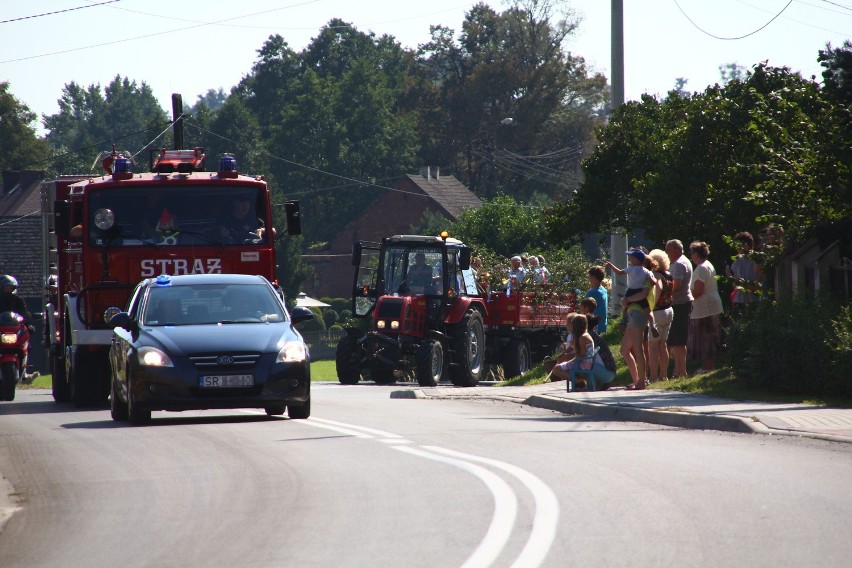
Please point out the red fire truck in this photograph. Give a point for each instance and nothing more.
(102, 235)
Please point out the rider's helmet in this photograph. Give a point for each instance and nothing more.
(8, 284)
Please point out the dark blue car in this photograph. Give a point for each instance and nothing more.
(208, 341)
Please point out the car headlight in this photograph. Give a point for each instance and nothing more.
(153, 357)
(10, 338)
(292, 352)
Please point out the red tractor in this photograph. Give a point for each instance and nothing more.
(429, 316)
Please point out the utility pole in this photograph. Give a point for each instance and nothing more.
(617, 240)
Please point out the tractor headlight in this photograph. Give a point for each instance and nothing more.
(394, 324)
(380, 324)
(10, 338)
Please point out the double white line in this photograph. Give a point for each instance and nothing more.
(499, 531)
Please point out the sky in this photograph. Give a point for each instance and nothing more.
(190, 47)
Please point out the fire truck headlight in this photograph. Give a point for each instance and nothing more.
(292, 352)
(104, 219)
(10, 338)
(394, 324)
(153, 357)
(380, 324)
(110, 311)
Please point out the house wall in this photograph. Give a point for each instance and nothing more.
(393, 213)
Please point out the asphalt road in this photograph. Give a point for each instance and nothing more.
(374, 481)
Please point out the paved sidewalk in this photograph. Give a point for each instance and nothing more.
(666, 407)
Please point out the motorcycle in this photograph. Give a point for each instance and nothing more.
(14, 347)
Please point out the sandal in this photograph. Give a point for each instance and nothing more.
(638, 387)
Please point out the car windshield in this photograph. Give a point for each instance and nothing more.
(211, 303)
(186, 215)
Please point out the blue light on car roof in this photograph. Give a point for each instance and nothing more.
(164, 280)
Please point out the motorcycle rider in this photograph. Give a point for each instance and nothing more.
(11, 302)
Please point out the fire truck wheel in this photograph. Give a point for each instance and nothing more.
(469, 348)
(430, 363)
(117, 407)
(137, 415)
(516, 360)
(9, 373)
(59, 384)
(346, 360)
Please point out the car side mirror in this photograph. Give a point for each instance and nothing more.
(300, 313)
(122, 320)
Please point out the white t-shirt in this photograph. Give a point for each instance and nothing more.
(709, 303)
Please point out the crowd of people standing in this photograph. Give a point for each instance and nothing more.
(675, 314)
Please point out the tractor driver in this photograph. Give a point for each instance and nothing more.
(419, 273)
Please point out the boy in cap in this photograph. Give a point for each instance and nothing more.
(637, 275)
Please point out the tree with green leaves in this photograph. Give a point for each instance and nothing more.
(90, 120)
(735, 157)
(329, 115)
(505, 105)
(20, 146)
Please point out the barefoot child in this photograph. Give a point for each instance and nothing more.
(637, 274)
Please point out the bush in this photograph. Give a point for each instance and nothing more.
(330, 317)
(316, 324)
(801, 347)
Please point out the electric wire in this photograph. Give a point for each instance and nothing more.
(56, 12)
(702, 30)
(164, 32)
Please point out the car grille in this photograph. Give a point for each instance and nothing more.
(224, 361)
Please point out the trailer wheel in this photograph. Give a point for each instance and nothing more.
(469, 347)
(430, 363)
(59, 382)
(346, 361)
(516, 360)
(9, 374)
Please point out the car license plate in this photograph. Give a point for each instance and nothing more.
(225, 381)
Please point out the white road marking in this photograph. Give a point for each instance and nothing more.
(505, 509)
(380, 433)
(546, 518)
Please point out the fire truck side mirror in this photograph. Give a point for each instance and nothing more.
(60, 219)
(464, 258)
(356, 254)
(294, 218)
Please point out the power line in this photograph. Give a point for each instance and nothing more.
(56, 12)
(702, 30)
(201, 25)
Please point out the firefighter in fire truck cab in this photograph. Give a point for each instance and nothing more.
(11, 302)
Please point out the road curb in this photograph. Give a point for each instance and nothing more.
(628, 413)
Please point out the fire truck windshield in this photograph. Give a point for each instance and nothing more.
(190, 215)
